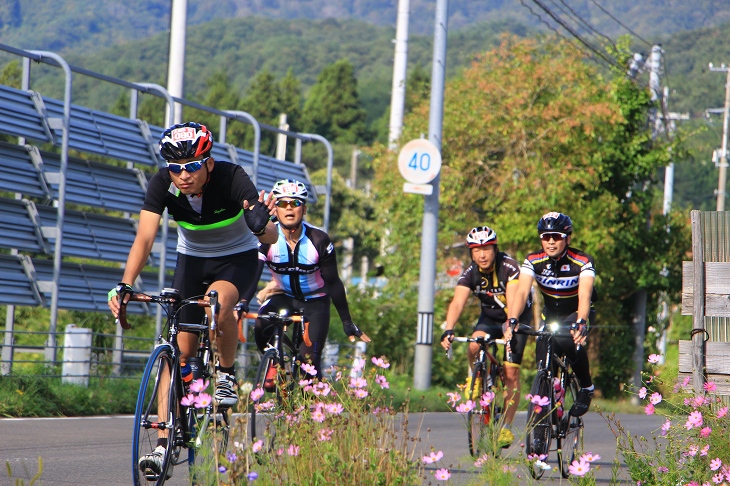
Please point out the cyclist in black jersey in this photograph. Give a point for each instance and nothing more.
(221, 219)
(304, 266)
(492, 277)
(565, 276)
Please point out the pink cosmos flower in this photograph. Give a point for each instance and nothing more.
(433, 457)
(722, 412)
(694, 420)
(358, 383)
(334, 408)
(257, 393)
(304, 383)
(686, 381)
(380, 380)
(665, 427)
(380, 362)
(693, 450)
(482, 460)
(655, 398)
(187, 400)
(256, 446)
(718, 478)
(663, 469)
(202, 400)
(325, 435)
(589, 457)
(654, 358)
(198, 385)
(318, 415)
(541, 401)
(710, 386)
(262, 407)
(309, 369)
(486, 399)
(322, 389)
(293, 450)
(579, 468)
(649, 409)
(465, 407)
(358, 364)
(715, 464)
(642, 392)
(442, 474)
(705, 432)
(705, 450)
(454, 398)
(360, 393)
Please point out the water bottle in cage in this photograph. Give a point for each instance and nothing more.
(559, 394)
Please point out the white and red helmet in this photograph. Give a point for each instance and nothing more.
(290, 188)
(481, 236)
(186, 141)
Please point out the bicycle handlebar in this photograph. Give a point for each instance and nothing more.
(482, 339)
(210, 301)
(276, 319)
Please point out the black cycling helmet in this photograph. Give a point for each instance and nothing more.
(481, 236)
(555, 222)
(186, 141)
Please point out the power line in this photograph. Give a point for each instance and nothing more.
(621, 24)
(580, 20)
(564, 25)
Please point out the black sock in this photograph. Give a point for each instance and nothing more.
(231, 370)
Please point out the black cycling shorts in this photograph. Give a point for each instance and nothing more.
(317, 311)
(495, 331)
(193, 276)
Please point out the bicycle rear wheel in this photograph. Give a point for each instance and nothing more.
(263, 411)
(154, 414)
(539, 423)
(570, 439)
(478, 418)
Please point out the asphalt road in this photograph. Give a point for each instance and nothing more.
(95, 451)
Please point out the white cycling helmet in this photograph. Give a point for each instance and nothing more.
(290, 188)
(481, 236)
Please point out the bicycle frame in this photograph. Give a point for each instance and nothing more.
(560, 424)
(182, 422)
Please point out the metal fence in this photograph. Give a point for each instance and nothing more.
(83, 354)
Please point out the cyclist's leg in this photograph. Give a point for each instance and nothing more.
(231, 276)
(512, 364)
(578, 360)
(318, 313)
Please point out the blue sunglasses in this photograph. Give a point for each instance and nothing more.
(189, 167)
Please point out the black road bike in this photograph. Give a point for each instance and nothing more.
(195, 433)
(555, 379)
(487, 372)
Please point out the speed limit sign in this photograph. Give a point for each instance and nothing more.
(419, 161)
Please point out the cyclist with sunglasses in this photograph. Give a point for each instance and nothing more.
(565, 276)
(492, 277)
(304, 266)
(221, 220)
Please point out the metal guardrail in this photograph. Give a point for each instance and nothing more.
(103, 358)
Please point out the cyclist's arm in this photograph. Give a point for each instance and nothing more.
(585, 292)
(521, 292)
(147, 227)
(461, 294)
(336, 291)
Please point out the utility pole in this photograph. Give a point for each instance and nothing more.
(176, 61)
(424, 339)
(722, 178)
(398, 94)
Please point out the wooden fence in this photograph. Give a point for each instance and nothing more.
(706, 297)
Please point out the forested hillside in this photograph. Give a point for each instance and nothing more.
(88, 25)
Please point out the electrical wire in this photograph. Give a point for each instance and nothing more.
(580, 20)
(621, 24)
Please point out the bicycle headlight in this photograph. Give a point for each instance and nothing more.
(284, 312)
(554, 326)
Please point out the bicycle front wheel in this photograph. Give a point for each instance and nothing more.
(570, 439)
(539, 423)
(479, 417)
(264, 409)
(154, 418)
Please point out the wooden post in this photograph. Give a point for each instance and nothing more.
(698, 309)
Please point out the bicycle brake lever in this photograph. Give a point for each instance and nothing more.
(213, 301)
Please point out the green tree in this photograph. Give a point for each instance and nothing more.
(532, 128)
(333, 107)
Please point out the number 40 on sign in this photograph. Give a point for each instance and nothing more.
(419, 162)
